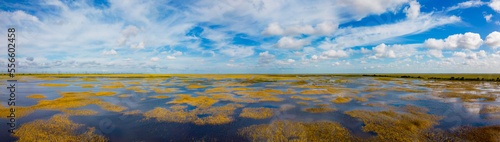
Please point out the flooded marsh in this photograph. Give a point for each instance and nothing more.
(247, 107)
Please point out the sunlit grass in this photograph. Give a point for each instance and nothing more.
(36, 96)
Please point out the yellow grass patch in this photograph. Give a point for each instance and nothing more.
(303, 98)
(302, 103)
(319, 109)
(142, 91)
(339, 100)
(133, 87)
(36, 96)
(123, 96)
(53, 85)
(257, 113)
(57, 128)
(285, 130)
(159, 96)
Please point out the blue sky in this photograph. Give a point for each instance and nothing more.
(254, 36)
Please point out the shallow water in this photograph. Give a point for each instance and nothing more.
(117, 126)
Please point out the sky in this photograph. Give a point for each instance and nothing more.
(253, 36)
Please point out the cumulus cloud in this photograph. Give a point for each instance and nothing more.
(493, 40)
(291, 43)
(238, 51)
(110, 52)
(335, 54)
(137, 46)
(471, 55)
(393, 51)
(170, 57)
(130, 31)
(265, 58)
(154, 59)
(495, 5)
(459, 54)
(488, 17)
(178, 53)
(457, 41)
(435, 53)
(285, 62)
(413, 10)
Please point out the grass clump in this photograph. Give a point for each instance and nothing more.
(339, 100)
(490, 109)
(159, 96)
(36, 96)
(271, 99)
(179, 114)
(133, 88)
(217, 90)
(257, 113)
(285, 130)
(141, 91)
(315, 92)
(123, 96)
(319, 109)
(57, 128)
(410, 125)
(303, 103)
(303, 98)
(200, 101)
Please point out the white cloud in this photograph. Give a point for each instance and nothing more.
(363, 62)
(285, 62)
(170, 57)
(291, 43)
(138, 46)
(459, 54)
(393, 51)
(178, 53)
(457, 41)
(335, 54)
(470, 55)
(130, 31)
(110, 52)
(488, 17)
(154, 59)
(364, 50)
(358, 36)
(266, 58)
(435, 53)
(493, 40)
(324, 28)
(413, 10)
(467, 4)
(273, 29)
(238, 51)
(495, 5)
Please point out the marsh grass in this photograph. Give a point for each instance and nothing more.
(257, 113)
(57, 128)
(36, 96)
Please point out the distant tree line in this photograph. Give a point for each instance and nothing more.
(440, 78)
